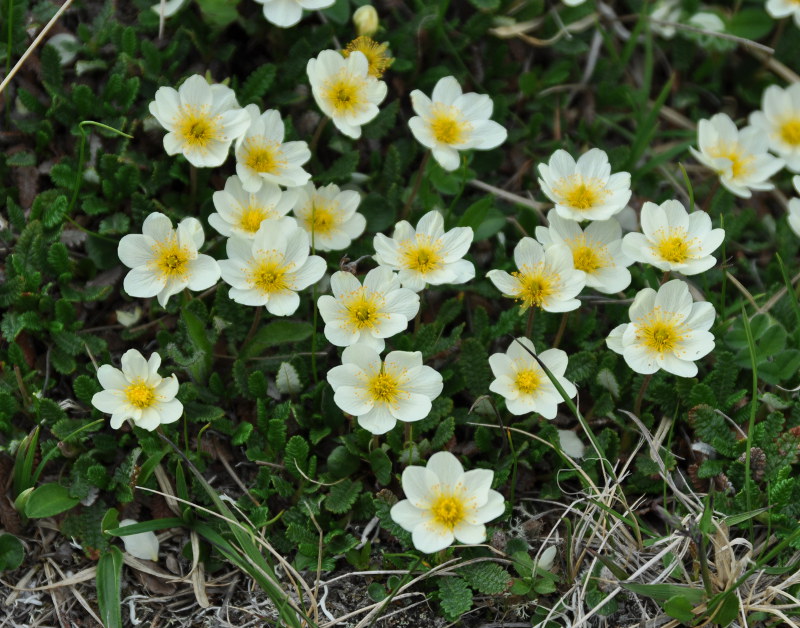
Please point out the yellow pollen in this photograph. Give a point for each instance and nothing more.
(171, 259)
(527, 381)
(537, 285)
(269, 274)
(322, 219)
(448, 511)
(660, 332)
(196, 127)
(421, 254)
(363, 310)
(448, 125)
(675, 247)
(384, 387)
(790, 130)
(263, 156)
(580, 193)
(140, 395)
(345, 92)
(375, 53)
(252, 217)
(740, 165)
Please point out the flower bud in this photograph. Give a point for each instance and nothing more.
(143, 545)
(366, 20)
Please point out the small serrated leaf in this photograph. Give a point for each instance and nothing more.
(342, 496)
(454, 596)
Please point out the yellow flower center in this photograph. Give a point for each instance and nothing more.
(171, 259)
(421, 254)
(263, 156)
(740, 165)
(345, 92)
(660, 331)
(363, 309)
(448, 125)
(448, 511)
(323, 218)
(579, 193)
(384, 388)
(790, 130)
(269, 274)
(537, 285)
(140, 395)
(252, 217)
(675, 247)
(196, 127)
(375, 53)
(589, 255)
(527, 381)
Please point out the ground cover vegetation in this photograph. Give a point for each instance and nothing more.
(475, 313)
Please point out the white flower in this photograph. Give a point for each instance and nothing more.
(585, 190)
(794, 209)
(241, 213)
(451, 121)
(784, 8)
(779, 120)
(165, 260)
(262, 155)
(740, 158)
(344, 89)
(571, 444)
(269, 269)
(524, 384)
(329, 216)
(365, 19)
(546, 279)
(287, 381)
(138, 392)
(674, 239)
(706, 21)
(203, 120)
(665, 11)
(667, 331)
(426, 255)
(143, 545)
(380, 393)
(445, 504)
(547, 558)
(170, 7)
(366, 314)
(596, 250)
(286, 13)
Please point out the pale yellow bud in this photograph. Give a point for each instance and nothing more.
(366, 20)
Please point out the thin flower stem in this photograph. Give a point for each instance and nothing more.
(561, 329)
(314, 290)
(254, 327)
(192, 185)
(529, 326)
(664, 278)
(707, 203)
(637, 406)
(318, 133)
(417, 183)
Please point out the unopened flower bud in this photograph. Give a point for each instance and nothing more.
(366, 20)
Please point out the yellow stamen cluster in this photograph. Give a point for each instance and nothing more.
(422, 254)
(376, 54)
(345, 93)
(537, 285)
(448, 510)
(740, 165)
(252, 216)
(384, 387)
(323, 218)
(364, 309)
(196, 127)
(660, 331)
(527, 381)
(140, 395)
(675, 247)
(269, 274)
(263, 156)
(582, 193)
(790, 130)
(589, 255)
(448, 125)
(170, 259)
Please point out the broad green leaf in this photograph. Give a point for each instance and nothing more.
(109, 575)
(49, 500)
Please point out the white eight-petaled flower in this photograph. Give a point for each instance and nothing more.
(164, 260)
(380, 393)
(138, 392)
(241, 213)
(445, 504)
(329, 216)
(667, 331)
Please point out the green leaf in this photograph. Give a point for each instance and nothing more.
(381, 466)
(219, 13)
(109, 575)
(147, 526)
(257, 84)
(680, 608)
(12, 552)
(296, 456)
(444, 432)
(454, 596)
(487, 578)
(274, 334)
(342, 496)
(728, 611)
(664, 592)
(199, 337)
(341, 169)
(750, 24)
(49, 500)
(242, 433)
